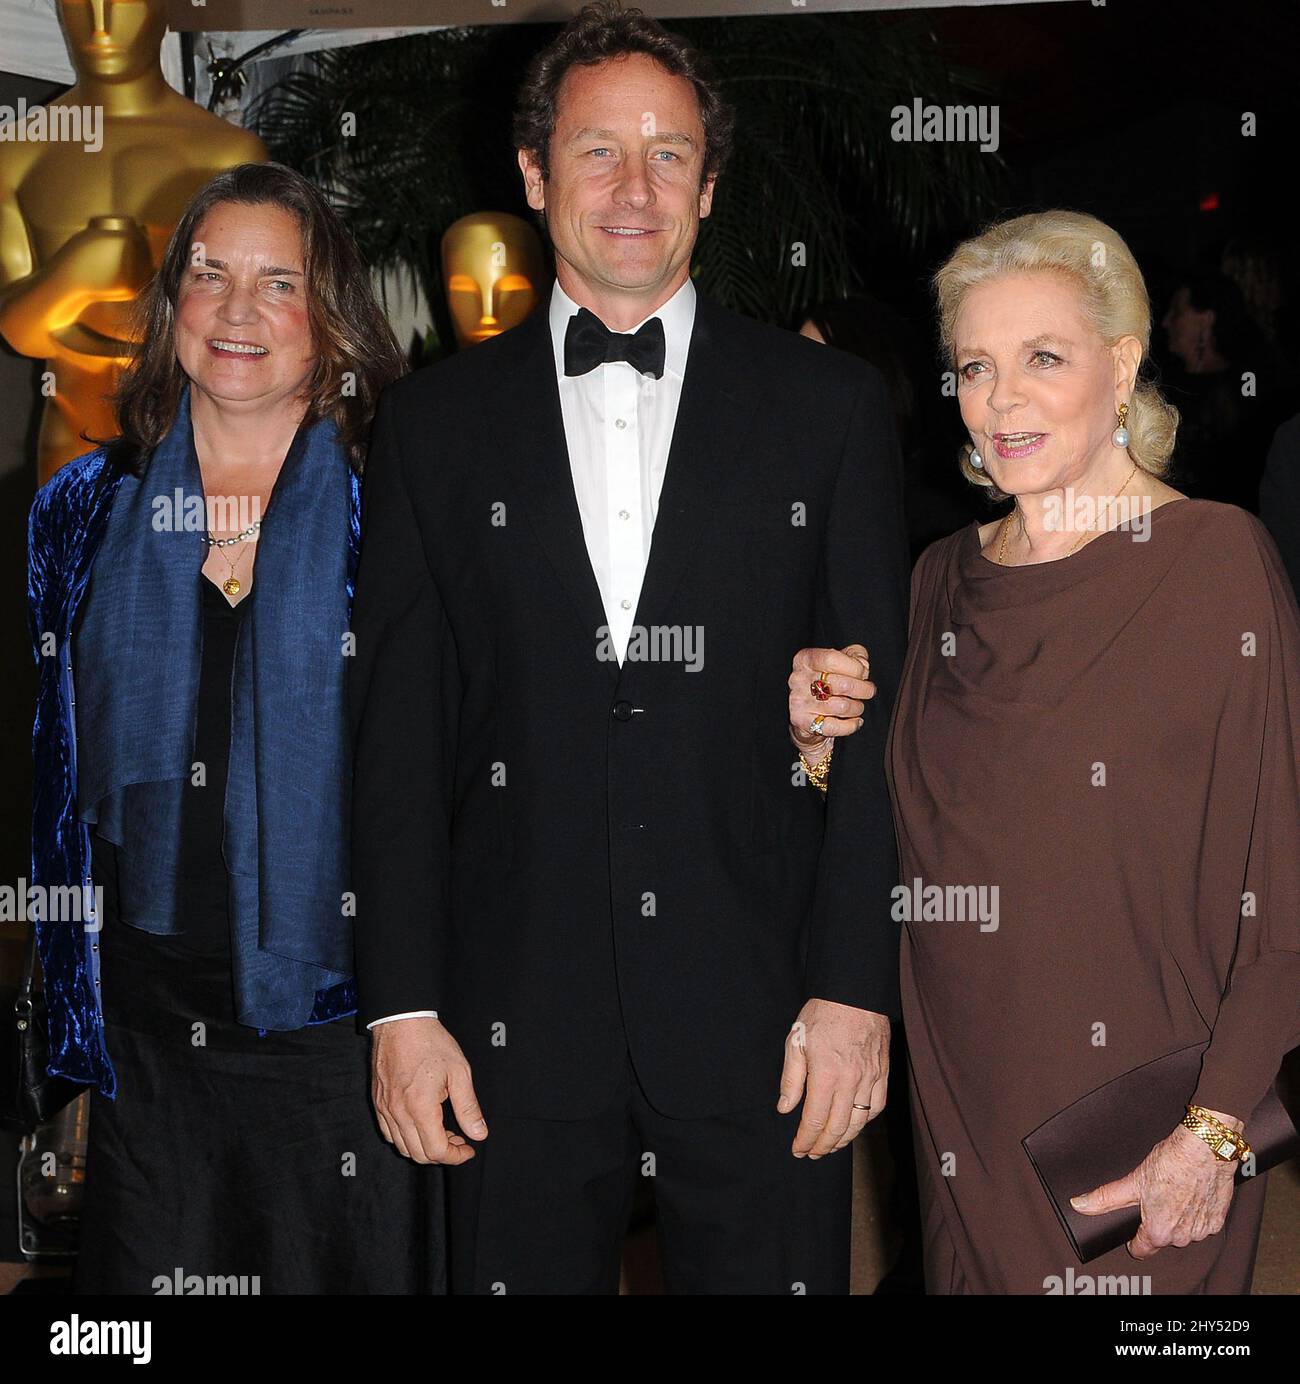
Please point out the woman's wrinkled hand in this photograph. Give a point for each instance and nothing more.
(848, 672)
(1184, 1192)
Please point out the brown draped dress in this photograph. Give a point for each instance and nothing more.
(1111, 740)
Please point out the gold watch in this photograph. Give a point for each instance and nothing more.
(1225, 1143)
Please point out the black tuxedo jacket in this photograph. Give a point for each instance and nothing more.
(1279, 496)
(572, 861)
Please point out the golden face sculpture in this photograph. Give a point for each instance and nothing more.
(492, 264)
(83, 224)
(113, 40)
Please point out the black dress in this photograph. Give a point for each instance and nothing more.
(231, 1159)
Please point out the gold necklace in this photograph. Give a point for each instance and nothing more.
(232, 585)
(1087, 533)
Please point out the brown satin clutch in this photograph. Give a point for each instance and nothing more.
(1108, 1132)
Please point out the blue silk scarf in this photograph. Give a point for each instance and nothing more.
(139, 653)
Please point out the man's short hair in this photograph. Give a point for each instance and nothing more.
(606, 30)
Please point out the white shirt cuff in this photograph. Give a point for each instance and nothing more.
(413, 1014)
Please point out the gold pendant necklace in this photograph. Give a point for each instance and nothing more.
(232, 586)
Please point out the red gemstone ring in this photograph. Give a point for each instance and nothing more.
(821, 689)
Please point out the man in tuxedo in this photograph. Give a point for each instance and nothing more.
(599, 912)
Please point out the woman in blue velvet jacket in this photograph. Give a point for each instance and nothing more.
(196, 771)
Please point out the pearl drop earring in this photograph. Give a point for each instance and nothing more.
(976, 460)
(1120, 436)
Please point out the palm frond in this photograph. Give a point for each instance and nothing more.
(814, 163)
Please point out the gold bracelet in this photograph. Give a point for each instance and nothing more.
(1225, 1143)
(817, 774)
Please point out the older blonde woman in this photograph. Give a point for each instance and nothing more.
(1097, 728)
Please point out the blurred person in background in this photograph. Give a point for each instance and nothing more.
(1231, 387)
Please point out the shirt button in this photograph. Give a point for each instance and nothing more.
(623, 514)
(620, 422)
(627, 605)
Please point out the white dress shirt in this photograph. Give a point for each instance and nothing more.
(618, 424)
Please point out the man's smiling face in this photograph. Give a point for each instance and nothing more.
(624, 198)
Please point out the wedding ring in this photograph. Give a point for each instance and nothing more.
(817, 723)
(856, 1106)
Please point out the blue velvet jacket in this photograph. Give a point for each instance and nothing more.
(66, 525)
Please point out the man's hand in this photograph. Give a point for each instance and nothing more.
(1183, 1190)
(839, 1056)
(416, 1065)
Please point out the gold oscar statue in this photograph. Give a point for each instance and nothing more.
(493, 267)
(91, 187)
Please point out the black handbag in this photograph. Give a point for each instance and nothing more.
(29, 1097)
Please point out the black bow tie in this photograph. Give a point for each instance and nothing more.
(588, 342)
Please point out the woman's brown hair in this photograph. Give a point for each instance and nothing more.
(356, 351)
